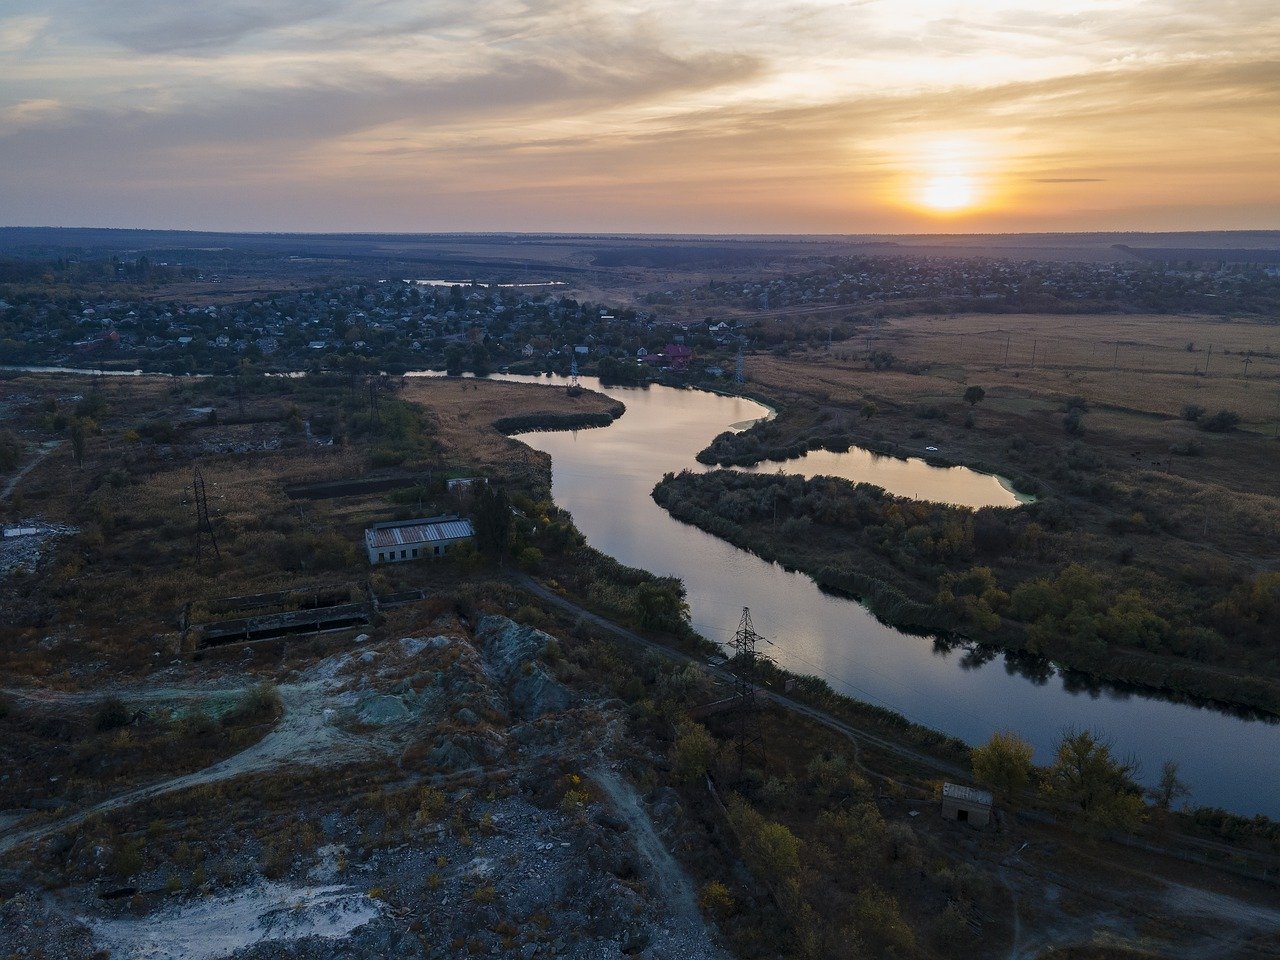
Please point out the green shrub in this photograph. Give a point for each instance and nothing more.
(111, 714)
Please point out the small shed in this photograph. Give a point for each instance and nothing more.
(966, 804)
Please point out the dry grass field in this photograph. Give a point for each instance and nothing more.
(114, 591)
(1143, 363)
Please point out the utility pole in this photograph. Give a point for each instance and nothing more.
(1115, 361)
(203, 527)
(745, 665)
(740, 367)
(1034, 344)
(1208, 357)
(1008, 342)
(1246, 361)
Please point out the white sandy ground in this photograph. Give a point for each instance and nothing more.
(216, 927)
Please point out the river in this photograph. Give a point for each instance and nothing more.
(604, 478)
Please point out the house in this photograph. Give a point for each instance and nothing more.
(966, 804)
(527, 350)
(677, 355)
(415, 539)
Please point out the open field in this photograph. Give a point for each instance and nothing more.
(1150, 501)
(454, 781)
(119, 586)
(1135, 363)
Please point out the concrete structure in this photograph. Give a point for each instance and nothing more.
(966, 804)
(403, 540)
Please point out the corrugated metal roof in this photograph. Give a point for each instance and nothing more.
(958, 791)
(418, 531)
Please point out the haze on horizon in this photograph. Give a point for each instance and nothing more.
(751, 116)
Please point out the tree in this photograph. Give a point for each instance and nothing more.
(661, 604)
(692, 752)
(974, 395)
(869, 410)
(492, 519)
(1003, 765)
(78, 432)
(1170, 788)
(1096, 788)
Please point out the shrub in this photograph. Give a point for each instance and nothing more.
(716, 900)
(10, 450)
(1221, 422)
(1192, 412)
(261, 702)
(692, 752)
(111, 714)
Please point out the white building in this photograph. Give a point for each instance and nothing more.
(966, 804)
(415, 539)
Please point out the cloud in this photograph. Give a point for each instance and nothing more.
(798, 113)
(145, 26)
(18, 33)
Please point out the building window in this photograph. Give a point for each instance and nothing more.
(415, 553)
(381, 556)
(403, 554)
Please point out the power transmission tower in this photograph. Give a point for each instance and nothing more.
(740, 368)
(375, 408)
(204, 529)
(745, 667)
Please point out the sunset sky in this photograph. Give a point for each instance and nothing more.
(758, 116)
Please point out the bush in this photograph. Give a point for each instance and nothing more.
(1221, 422)
(261, 702)
(111, 714)
(1192, 412)
(692, 752)
(716, 900)
(10, 450)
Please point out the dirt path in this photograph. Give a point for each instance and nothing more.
(304, 736)
(786, 703)
(668, 877)
(127, 694)
(46, 448)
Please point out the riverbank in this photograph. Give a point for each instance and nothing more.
(921, 568)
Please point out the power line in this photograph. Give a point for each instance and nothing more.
(204, 529)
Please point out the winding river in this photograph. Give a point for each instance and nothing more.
(604, 478)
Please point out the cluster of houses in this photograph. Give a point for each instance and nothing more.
(391, 322)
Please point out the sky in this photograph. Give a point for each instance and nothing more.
(702, 116)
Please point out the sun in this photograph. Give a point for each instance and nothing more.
(948, 193)
(947, 176)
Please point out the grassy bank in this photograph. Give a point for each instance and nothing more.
(996, 576)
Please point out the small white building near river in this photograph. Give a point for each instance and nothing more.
(966, 804)
(404, 540)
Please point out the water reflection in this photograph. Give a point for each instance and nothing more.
(604, 477)
(904, 477)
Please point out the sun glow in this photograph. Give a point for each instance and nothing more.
(949, 193)
(947, 177)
